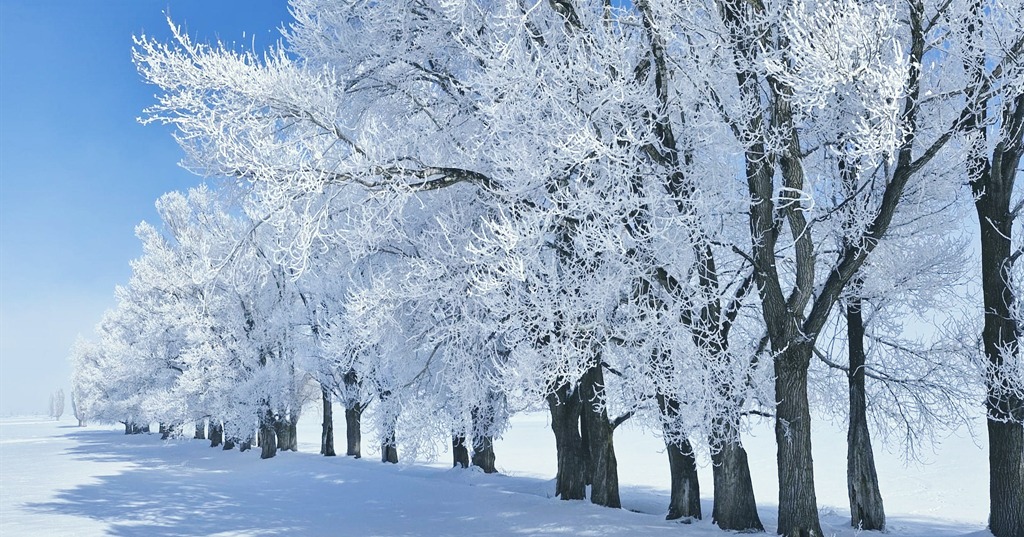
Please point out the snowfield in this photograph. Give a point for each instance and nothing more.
(57, 479)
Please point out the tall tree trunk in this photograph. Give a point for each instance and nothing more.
(570, 482)
(599, 439)
(1005, 409)
(866, 511)
(483, 419)
(798, 511)
(684, 501)
(734, 508)
(327, 436)
(460, 453)
(389, 442)
(200, 430)
(268, 432)
(353, 432)
(216, 432)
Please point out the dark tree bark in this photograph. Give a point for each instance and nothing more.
(285, 429)
(483, 425)
(389, 442)
(599, 440)
(866, 511)
(353, 432)
(798, 504)
(229, 444)
(327, 436)
(131, 427)
(216, 433)
(571, 480)
(200, 430)
(460, 453)
(268, 432)
(684, 501)
(166, 430)
(735, 508)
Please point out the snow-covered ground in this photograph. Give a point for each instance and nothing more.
(57, 479)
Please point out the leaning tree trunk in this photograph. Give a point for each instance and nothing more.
(571, 479)
(684, 501)
(216, 433)
(460, 453)
(327, 436)
(599, 439)
(866, 511)
(353, 433)
(798, 511)
(734, 508)
(200, 430)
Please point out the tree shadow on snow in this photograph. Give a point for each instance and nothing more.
(183, 487)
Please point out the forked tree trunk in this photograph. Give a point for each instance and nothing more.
(599, 440)
(866, 511)
(798, 511)
(216, 433)
(571, 479)
(684, 501)
(200, 430)
(353, 432)
(734, 508)
(460, 453)
(327, 434)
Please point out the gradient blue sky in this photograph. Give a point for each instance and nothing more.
(77, 172)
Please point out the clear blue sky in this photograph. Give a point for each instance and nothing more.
(77, 172)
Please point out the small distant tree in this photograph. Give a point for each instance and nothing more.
(77, 410)
(57, 404)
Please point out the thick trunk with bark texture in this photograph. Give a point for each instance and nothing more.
(327, 434)
(684, 501)
(216, 433)
(229, 444)
(267, 437)
(460, 452)
(1000, 335)
(798, 504)
(353, 433)
(599, 440)
(389, 442)
(734, 508)
(866, 511)
(483, 442)
(571, 479)
(200, 430)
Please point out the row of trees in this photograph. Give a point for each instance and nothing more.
(684, 212)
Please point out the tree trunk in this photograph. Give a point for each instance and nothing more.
(866, 511)
(1001, 333)
(200, 430)
(229, 444)
(599, 440)
(389, 443)
(734, 508)
(353, 433)
(268, 433)
(460, 453)
(483, 439)
(327, 436)
(570, 481)
(216, 433)
(684, 501)
(798, 505)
